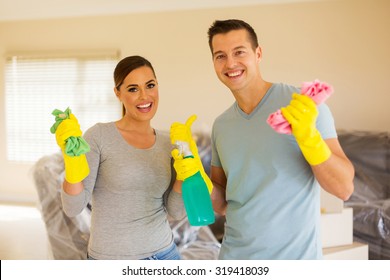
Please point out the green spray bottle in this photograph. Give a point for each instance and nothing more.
(196, 197)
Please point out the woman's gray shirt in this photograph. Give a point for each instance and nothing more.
(130, 191)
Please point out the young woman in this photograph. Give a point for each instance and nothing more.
(130, 182)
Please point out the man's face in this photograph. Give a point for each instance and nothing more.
(235, 61)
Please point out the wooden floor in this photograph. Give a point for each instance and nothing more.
(22, 234)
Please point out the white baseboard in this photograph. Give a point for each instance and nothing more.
(355, 251)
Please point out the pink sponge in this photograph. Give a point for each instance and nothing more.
(316, 90)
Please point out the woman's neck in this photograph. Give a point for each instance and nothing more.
(143, 127)
(138, 134)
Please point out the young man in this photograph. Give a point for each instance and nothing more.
(268, 184)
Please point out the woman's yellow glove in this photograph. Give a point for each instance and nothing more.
(185, 167)
(302, 114)
(182, 133)
(68, 130)
(76, 168)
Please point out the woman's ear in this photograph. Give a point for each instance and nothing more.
(117, 93)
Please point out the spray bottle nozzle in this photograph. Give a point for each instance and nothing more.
(184, 148)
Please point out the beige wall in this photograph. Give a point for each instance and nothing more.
(346, 43)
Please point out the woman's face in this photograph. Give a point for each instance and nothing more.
(139, 94)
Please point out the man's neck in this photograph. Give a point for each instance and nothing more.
(248, 99)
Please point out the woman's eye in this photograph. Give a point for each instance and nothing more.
(151, 85)
(132, 89)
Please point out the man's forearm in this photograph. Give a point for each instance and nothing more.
(336, 174)
(218, 198)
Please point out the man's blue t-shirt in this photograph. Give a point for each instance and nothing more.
(273, 197)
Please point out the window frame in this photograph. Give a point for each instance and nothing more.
(20, 137)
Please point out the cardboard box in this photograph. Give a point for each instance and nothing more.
(330, 203)
(337, 228)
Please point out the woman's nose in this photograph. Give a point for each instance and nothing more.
(142, 94)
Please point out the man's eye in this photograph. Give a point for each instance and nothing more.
(240, 52)
(219, 56)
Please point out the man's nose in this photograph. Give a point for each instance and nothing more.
(230, 62)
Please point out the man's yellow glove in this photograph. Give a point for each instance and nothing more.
(182, 132)
(76, 166)
(302, 114)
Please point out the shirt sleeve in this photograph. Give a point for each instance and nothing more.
(325, 122)
(215, 161)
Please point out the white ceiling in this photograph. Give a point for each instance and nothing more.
(45, 9)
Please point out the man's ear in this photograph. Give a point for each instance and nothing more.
(259, 53)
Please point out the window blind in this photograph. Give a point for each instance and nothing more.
(36, 85)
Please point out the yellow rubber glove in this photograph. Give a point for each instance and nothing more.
(302, 114)
(185, 167)
(76, 167)
(182, 132)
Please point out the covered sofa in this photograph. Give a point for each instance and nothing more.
(370, 155)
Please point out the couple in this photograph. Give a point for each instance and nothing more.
(267, 184)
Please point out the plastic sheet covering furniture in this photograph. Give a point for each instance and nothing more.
(370, 155)
(68, 237)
